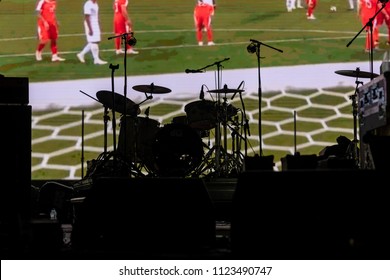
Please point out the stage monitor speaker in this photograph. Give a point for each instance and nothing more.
(290, 162)
(259, 163)
(145, 217)
(324, 214)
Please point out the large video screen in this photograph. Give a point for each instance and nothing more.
(282, 59)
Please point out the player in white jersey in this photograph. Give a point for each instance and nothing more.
(293, 4)
(92, 32)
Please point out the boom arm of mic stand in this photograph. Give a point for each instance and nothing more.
(121, 35)
(369, 24)
(260, 43)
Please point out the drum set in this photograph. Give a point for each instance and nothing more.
(182, 148)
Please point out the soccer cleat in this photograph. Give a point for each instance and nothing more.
(57, 58)
(119, 52)
(38, 56)
(211, 43)
(81, 57)
(131, 51)
(311, 17)
(100, 62)
(200, 43)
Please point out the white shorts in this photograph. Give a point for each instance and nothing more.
(96, 36)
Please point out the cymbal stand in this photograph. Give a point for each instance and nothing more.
(113, 68)
(352, 151)
(106, 118)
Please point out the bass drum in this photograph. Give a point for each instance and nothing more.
(178, 150)
(140, 133)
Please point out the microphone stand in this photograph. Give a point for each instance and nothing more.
(217, 128)
(369, 24)
(124, 38)
(257, 44)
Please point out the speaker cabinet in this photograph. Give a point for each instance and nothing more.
(290, 162)
(15, 142)
(324, 214)
(145, 217)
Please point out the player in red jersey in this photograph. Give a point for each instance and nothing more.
(203, 13)
(122, 24)
(311, 5)
(47, 28)
(384, 17)
(366, 10)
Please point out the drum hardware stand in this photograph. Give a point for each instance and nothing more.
(246, 120)
(236, 147)
(254, 47)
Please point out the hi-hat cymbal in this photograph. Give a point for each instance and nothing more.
(225, 89)
(356, 74)
(106, 98)
(151, 89)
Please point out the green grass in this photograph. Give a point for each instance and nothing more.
(166, 36)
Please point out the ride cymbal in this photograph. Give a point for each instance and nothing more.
(151, 89)
(356, 74)
(108, 98)
(225, 89)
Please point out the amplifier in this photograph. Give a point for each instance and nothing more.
(373, 107)
(14, 90)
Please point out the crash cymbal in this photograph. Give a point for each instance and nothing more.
(105, 97)
(151, 89)
(225, 89)
(356, 74)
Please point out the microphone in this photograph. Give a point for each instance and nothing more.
(193, 71)
(132, 41)
(237, 90)
(251, 48)
(201, 94)
(114, 66)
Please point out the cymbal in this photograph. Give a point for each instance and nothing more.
(105, 97)
(356, 74)
(151, 89)
(225, 90)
